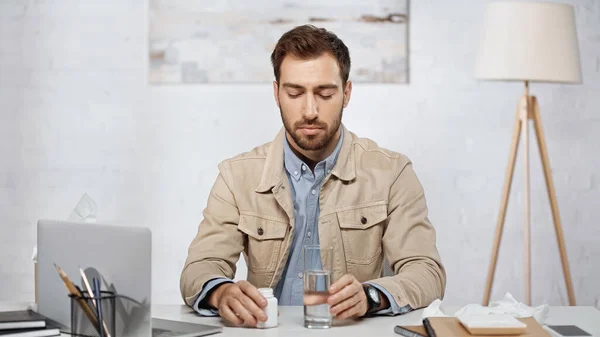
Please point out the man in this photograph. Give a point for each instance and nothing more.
(316, 183)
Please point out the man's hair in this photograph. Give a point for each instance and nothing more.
(308, 42)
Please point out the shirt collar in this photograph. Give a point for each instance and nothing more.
(293, 164)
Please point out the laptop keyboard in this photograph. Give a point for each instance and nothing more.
(156, 332)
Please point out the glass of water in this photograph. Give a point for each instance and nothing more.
(317, 279)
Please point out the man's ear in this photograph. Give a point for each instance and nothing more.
(276, 93)
(347, 93)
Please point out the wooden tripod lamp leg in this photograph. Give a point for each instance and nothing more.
(539, 132)
(516, 135)
(525, 125)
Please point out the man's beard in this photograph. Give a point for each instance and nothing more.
(312, 142)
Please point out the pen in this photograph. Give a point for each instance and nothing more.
(428, 328)
(98, 305)
(86, 283)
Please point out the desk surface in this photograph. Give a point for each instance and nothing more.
(291, 321)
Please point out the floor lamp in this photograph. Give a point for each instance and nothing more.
(529, 42)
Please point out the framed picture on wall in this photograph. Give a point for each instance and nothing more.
(199, 41)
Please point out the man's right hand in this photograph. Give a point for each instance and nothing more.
(239, 303)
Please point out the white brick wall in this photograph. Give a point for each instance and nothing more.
(77, 116)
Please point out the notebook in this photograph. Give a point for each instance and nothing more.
(451, 327)
(30, 332)
(26, 323)
(21, 319)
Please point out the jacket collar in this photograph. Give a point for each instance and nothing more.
(274, 171)
(344, 168)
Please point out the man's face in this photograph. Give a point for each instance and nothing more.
(311, 98)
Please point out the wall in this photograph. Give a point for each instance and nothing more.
(76, 115)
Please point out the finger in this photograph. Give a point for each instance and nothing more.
(315, 298)
(252, 292)
(228, 315)
(350, 312)
(346, 304)
(345, 293)
(244, 314)
(341, 283)
(251, 306)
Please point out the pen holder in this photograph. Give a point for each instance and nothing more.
(84, 315)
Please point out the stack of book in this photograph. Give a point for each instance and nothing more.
(26, 323)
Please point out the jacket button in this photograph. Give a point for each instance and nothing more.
(363, 220)
(260, 231)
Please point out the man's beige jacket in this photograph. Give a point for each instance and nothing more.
(371, 205)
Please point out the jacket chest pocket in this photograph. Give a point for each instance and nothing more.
(362, 230)
(264, 241)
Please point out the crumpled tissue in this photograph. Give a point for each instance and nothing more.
(84, 211)
(507, 306)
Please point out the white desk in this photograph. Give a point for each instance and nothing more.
(291, 321)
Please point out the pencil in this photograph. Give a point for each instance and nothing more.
(73, 291)
(86, 283)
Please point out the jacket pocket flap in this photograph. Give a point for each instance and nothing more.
(261, 228)
(362, 217)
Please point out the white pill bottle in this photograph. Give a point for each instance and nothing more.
(271, 309)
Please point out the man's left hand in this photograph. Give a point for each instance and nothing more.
(347, 298)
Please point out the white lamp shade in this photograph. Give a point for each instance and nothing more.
(529, 41)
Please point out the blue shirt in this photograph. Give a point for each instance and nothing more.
(305, 186)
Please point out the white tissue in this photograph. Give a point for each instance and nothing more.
(434, 310)
(507, 305)
(84, 211)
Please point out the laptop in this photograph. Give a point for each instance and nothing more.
(120, 256)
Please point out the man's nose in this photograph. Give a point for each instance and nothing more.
(311, 110)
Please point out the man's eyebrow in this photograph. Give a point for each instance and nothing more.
(327, 86)
(292, 85)
(319, 87)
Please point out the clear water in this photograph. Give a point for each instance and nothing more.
(316, 309)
